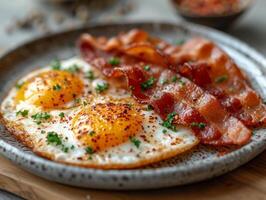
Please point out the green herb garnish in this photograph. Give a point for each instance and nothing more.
(39, 117)
(147, 67)
(164, 131)
(101, 87)
(55, 64)
(149, 107)
(19, 85)
(90, 75)
(148, 84)
(92, 133)
(57, 87)
(163, 81)
(61, 115)
(135, 141)
(221, 79)
(114, 61)
(169, 120)
(73, 69)
(200, 125)
(23, 113)
(53, 138)
(174, 79)
(89, 150)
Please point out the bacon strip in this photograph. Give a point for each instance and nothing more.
(189, 101)
(235, 88)
(209, 65)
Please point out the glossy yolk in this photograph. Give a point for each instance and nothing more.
(51, 89)
(106, 125)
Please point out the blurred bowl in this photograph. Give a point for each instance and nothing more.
(219, 21)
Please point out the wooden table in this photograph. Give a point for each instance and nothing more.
(247, 182)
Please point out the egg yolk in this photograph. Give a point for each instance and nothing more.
(50, 89)
(106, 125)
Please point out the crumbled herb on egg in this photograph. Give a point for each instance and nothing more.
(135, 141)
(40, 117)
(73, 69)
(61, 115)
(149, 107)
(57, 87)
(23, 113)
(92, 133)
(90, 75)
(19, 85)
(169, 120)
(101, 87)
(53, 138)
(89, 150)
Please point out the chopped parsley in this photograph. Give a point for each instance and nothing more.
(23, 113)
(42, 131)
(92, 133)
(55, 64)
(169, 120)
(147, 67)
(163, 81)
(135, 141)
(221, 79)
(264, 101)
(101, 87)
(200, 125)
(148, 84)
(89, 150)
(174, 79)
(65, 149)
(61, 115)
(77, 100)
(181, 83)
(114, 61)
(57, 87)
(53, 138)
(164, 131)
(73, 69)
(149, 107)
(179, 41)
(85, 103)
(90, 75)
(19, 85)
(40, 117)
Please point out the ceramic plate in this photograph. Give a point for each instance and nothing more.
(203, 163)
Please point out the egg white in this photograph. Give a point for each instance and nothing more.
(156, 144)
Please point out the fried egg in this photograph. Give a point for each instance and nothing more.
(68, 112)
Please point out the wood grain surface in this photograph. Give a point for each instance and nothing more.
(247, 182)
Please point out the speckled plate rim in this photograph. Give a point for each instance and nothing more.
(242, 155)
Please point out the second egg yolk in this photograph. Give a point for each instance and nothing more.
(106, 125)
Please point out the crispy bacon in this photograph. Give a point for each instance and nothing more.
(236, 89)
(190, 103)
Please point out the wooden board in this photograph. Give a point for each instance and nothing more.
(247, 182)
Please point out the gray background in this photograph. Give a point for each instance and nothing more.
(251, 28)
